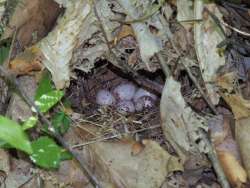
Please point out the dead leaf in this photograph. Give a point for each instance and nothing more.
(33, 20)
(235, 173)
(179, 122)
(243, 140)
(125, 31)
(227, 150)
(4, 161)
(116, 165)
(137, 148)
(70, 174)
(133, 59)
(239, 106)
(241, 110)
(218, 129)
(27, 61)
(226, 81)
(20, 173)
(148, 44)
(207, 35)
(18, 110)
(57, 47)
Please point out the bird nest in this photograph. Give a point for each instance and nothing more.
(109, 122)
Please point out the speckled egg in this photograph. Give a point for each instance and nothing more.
(142, 92)
(144, 102)
(125, 107)
(105, 98)
(124, 91)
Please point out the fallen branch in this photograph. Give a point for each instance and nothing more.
(12, 81)
(197, 85)
(10, 78)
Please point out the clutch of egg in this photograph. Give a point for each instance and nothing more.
(126, 98)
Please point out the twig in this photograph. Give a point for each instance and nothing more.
(113, 136)
(211, 154)
(235, 29)
(219, 22)
(215, 161)
(12, 80)
(197, 85)
(194, 80)
(91, 122)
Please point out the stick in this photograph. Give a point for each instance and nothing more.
(197, 85)
(215, 161)
(12, 81)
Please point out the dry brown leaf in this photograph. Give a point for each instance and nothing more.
(239, 106)
(27, 61)
(4, 161)
(227, 149)
(137, 148)
(58, 46)
(133, 58)
(113, 165)
(116, 165)
(232, 168)
(226, 81)
(125, 31)
(18, 110)
(21, 172)
(33, 19)
(70, 174)
(243, 140)
(241, 110)
(219, 129)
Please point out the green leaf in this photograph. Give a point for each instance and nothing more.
(65, 155)
(5, 145)
(13, 134)
(61, 121)
(45, 85)
(46, 153)
(4, 52)
(48, 100)
(29, 123)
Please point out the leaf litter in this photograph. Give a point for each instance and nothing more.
(193, 55)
